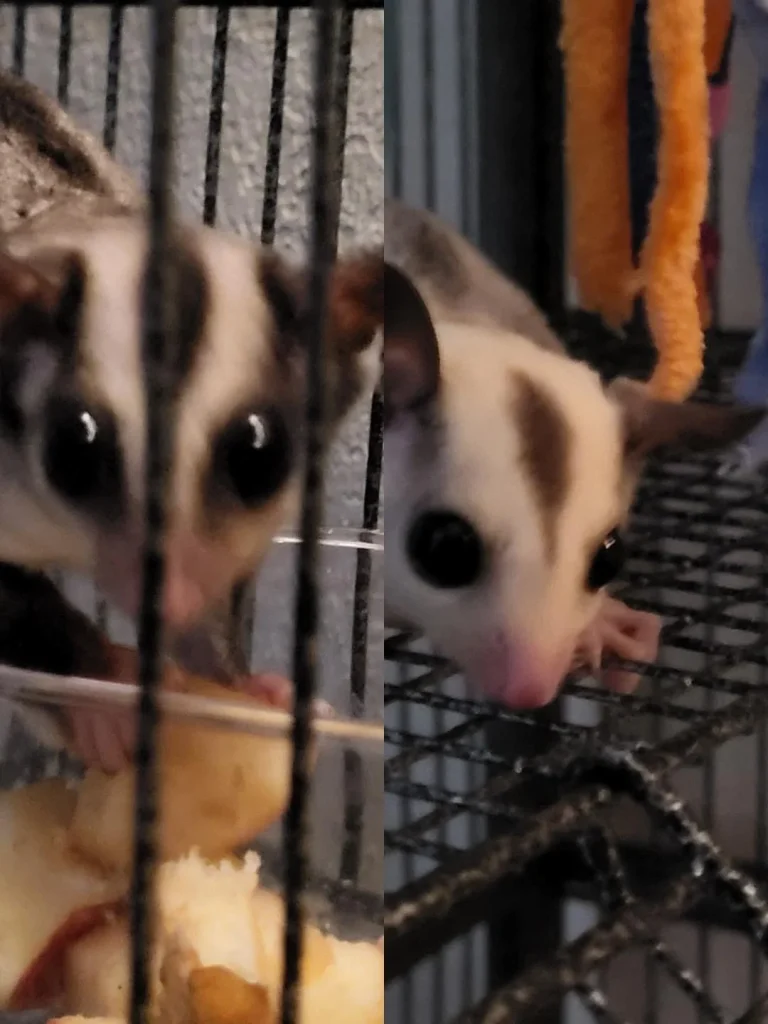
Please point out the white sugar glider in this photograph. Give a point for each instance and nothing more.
(509, 470)
(72, 384)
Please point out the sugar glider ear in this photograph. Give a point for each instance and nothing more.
(411, 361)
(651, 423)
(355, 309)
(46, 289)
(355, 319)
(21, 285)
(356, 301)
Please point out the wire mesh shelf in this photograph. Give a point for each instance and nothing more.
(587, 800)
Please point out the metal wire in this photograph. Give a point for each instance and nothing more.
(216, 115)
(244, 598)
(19, 38)
(159, 328)
(322, 245)
(114, 54)
(65, 55)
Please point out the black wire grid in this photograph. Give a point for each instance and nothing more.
(497, 818)
(334, 32)
(551, 793)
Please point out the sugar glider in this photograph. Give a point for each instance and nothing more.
(509, 470)
(73, 250)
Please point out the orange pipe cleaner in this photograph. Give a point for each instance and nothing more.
(596, 44)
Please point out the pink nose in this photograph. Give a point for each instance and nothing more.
(183, 600)
(519, 676)
(196, 574)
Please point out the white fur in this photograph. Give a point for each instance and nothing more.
(477, 473)
(230, 368)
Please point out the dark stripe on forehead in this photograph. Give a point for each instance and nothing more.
(193, 300)
(49, 320)
(545, 444)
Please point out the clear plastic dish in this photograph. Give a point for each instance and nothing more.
(66, 837)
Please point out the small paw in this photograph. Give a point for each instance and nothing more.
(621, 632)
(103, 739)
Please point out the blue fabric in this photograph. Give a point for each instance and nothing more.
(751, 385)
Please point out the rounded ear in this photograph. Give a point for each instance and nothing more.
(355, 315)
(49, 284)
(21, 285)
(356, 301)
(651, 423)
(411, 357)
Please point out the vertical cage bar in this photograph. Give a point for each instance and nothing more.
(114, 57)
(65, 54)
(275, 133)
(427, 44)
(109, 136)
(244, 597)
(392, 83)
(158, 329)
(321, 250)
(216, 115)
(351, 854)
(371, 498)
(19, 38)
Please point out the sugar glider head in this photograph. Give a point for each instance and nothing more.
(73, 401)
(508, 476)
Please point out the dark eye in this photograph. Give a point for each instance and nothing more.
(81, 455)
(445, 550)
(253, 456)
(607, 562)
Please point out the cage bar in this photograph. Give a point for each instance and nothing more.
(334, 41)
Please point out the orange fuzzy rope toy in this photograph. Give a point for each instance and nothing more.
(596, 43)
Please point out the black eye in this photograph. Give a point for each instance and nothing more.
(608, 561)
(81, 455)
(253, 456)
(445, 550)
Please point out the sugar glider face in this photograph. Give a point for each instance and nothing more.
(73, 401)
(508, 474)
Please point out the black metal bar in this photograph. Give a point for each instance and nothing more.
(159, 328)
(307, 596)
(65, 54)
(275, 132)
(354, 774)
(19, 38)
(371, 498)
(243, 609)
(216, 115)
(114, 56)
(392, 123)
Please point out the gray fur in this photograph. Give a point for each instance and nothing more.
(457, 282)
(47, 161)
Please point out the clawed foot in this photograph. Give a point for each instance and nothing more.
(618, 631)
